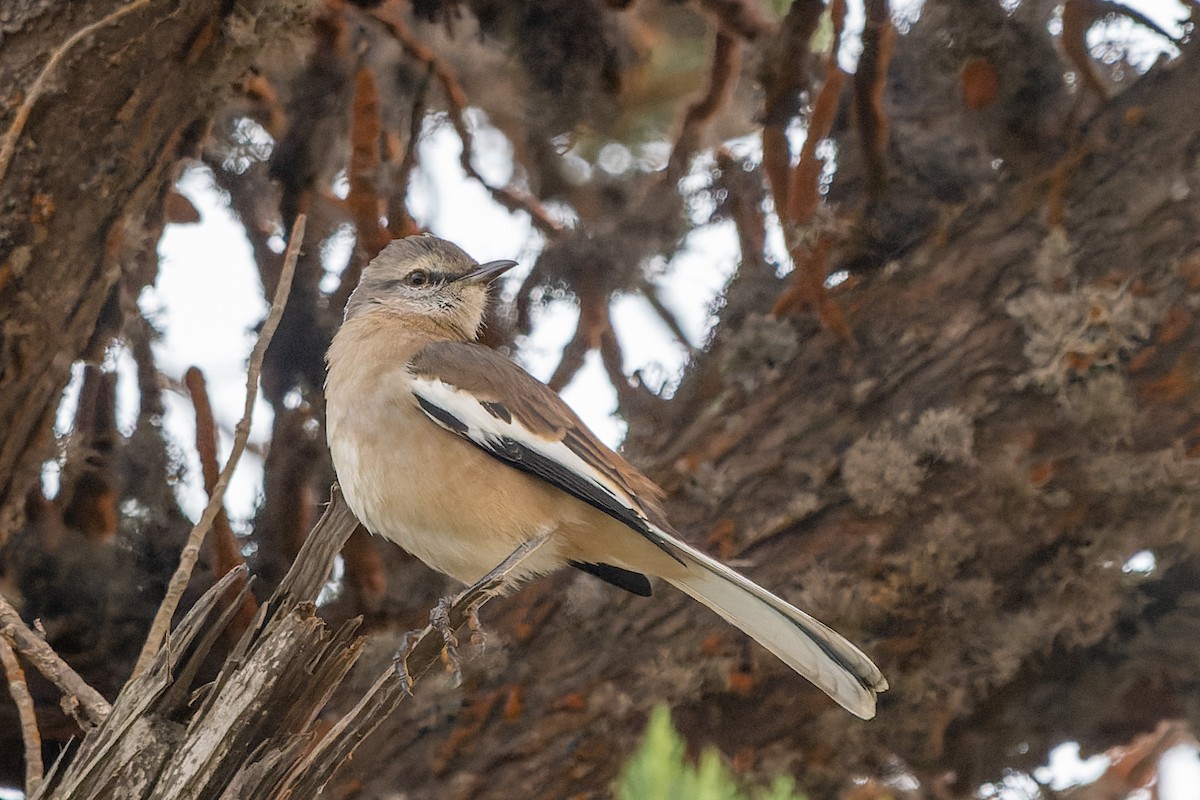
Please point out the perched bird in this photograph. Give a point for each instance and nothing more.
(459, 456)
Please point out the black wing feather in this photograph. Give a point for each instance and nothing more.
(634, 582)
(526, 459)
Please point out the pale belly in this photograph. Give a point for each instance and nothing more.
(441, 498)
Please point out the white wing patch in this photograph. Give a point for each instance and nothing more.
(464, 414)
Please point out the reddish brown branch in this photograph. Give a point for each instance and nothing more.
(614, 365)
(508, 196)
(366, 133)
(289, 498)
(363, 200)
(807, 288)
(90, 494)
(365, 571)
(1078, 17)
(80, 700)
(593, 319)
(811, 259)
(18, 689)
(803, 194)
(206, 433)
(723, 74)
(786, 77)
(745, 211)
(870, 81)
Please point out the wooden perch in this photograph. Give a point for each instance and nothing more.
(250, 735)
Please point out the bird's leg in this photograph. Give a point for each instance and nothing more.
(464, 608)
(400, 659)
(504, 574)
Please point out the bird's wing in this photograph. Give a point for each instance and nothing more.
(483, 397)
(494, 404)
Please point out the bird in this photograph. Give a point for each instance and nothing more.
(452, 451)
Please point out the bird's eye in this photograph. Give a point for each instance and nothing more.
(417, 277)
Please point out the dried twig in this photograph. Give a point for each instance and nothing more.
(227, 555)
(19, 690)
(191, 550)
(79, 695)
(45, 78)
(508, 196)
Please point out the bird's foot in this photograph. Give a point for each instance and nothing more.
(400, 660)
(439, 620)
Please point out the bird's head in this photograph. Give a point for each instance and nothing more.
(428, 279)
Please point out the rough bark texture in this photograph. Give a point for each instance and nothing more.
(957, 482)
(83, 190)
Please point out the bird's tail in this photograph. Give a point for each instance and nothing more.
(806, 645)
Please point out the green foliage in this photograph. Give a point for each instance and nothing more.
(659, 771)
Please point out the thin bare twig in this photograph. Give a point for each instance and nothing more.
(508, 196)
(41, 84)
(79, 695)
(19, 690)
(226, 554)
(191, 551)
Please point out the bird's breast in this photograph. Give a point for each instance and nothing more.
(437, 496)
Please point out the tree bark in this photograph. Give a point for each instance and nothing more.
(114, 95)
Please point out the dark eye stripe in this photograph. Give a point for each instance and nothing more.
(434, 279)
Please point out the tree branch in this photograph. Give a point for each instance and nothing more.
(79, 695)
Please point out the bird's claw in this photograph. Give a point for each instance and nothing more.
(439, 620)
(400, 659)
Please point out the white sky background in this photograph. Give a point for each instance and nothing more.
(208, 299)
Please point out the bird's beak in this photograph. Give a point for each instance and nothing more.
(486, 273)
